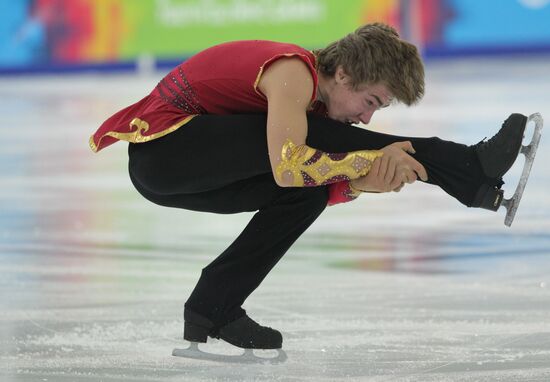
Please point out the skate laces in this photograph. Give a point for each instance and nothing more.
(501, 137)
(256, 325)
(485, 144)
(252, 322)
(481, 145)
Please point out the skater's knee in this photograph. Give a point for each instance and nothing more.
(312, 199)
(316, 198)
(321, 197)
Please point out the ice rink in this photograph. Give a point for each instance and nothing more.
(408, 286)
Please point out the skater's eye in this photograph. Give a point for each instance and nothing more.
(379, 104)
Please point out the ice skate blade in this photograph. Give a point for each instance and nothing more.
(529, 151)
(248, 356)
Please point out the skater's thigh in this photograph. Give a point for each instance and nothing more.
(209, 152)
(242, 196)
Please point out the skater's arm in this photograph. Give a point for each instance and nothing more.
(288, 86)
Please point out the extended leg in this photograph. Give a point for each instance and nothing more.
(452, 166)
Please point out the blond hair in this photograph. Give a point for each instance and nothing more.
(373, 54)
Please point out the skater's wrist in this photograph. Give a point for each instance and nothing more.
(354, 189)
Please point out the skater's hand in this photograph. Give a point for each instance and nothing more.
(391, 171)
(399, 164)
(377, 180)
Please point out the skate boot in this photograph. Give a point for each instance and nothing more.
(243, 332)
(496, 156)
(247, 333)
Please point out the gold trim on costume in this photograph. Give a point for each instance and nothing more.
(310, 167)
(137, 136)
(92, 144)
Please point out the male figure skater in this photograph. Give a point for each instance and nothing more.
(269, 127)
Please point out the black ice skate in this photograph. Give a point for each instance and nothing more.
(498, 154)
(243, 333)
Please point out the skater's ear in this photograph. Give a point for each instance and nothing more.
(341, 76)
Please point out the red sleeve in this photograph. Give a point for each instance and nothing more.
(340, 192)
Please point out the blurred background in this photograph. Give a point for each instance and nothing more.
(392, 287)
(50, 35)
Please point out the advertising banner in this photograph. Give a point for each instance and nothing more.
(88, 31)
(66, 33)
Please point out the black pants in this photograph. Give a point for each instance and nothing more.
(220, 164)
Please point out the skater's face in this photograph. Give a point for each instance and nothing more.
(349, 105)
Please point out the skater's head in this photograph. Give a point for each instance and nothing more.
(369, 69)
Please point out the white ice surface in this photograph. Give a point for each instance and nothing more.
(398, 287)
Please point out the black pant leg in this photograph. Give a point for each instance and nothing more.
(246, 195)
(283, 215)
(227, 282)
(452, 166)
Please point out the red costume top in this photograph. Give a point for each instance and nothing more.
(220, 80)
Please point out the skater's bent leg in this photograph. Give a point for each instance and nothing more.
(225, 284)
(283, 215)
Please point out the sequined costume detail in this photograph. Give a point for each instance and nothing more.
(177, 91)
(310, 167)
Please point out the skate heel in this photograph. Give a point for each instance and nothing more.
(195, 333)
(488, 197)
(197, 327)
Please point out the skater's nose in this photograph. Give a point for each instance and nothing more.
(365, 116)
